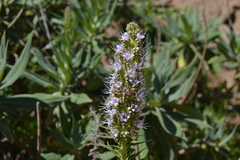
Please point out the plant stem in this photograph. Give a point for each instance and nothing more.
(39, 131)
(123, 150)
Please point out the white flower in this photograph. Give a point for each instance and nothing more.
(112, 112)
(127, 55)
(118, 84)
(138, 123)
(114, 132)
(125, 36)
(140, 36)
(114, 101)
(119, 48)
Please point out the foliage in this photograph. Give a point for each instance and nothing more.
(57, 53)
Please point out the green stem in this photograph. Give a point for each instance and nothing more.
(123, 150)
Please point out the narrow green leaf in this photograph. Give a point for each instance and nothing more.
(109, 15)
(47, 98)
(169, 125)
(112, 148)
(165, 142)
(226, 139)
(45, 64)
(133, 156)
(59, 137)
(106, 155)
(154, 103)
(181, 90)
(5, 130)
(21, 102)
(181, 75)
(51, 156)
(143, 146)
(80, 98)
(198, 122)
(65, 125)
(217, 58)
(187, 27)
(18, 67)
(39, 79)
(3, 55)
(220, 129)
(190, 111)
(171, 22)
(68, 157)
(231, 65)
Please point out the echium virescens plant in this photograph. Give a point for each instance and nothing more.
(127, 91)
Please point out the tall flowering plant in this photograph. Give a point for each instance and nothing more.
(126, 89)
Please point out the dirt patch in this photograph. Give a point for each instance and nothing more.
(211, 8)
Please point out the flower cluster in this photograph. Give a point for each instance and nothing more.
(126, 86)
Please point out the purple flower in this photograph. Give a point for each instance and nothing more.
(124, 117)
(118, 84)
(114, 101)
(119, 48)
(131, 73)
(134, 81)
(135, 108)
(140, 94)
(107, 104)
(112, 112)
(138, 123)
(140, 36)
(109, 121)
(126, 87)
(116, 66)
(114, 132)
(137, 66)
(127, 55)
(125, 36)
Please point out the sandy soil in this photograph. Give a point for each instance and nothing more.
(211, 8)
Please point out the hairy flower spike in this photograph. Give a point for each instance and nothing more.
(126, 88)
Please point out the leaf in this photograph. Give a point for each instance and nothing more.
(180, 75)
(106, 155)
(133, 156)
(143, 146)
(50, 99)
(112, 148)
(190, 111)
(109, 15)
(51, 156)
(231, 65)
(18, 67)
(226, 139)
(216, 59)
(39, 79)
(21, 102)
(187, 27)
(45, 64)
(198, 122)
(3, 55)
(65, 125)
(68, 157)
(153, 103)
(60, 138)
(169, 125)
(80, 98)
(171, 22)
(5, 130)
(166, 143)
(181, 90)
